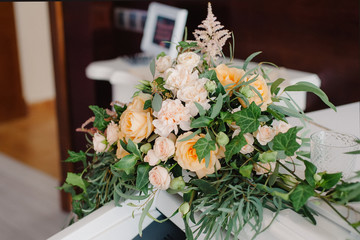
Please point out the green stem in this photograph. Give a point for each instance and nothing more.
(292, 172)
(338, 213)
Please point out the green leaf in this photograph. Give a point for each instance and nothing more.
(275, 84)
(68, 188)
(249, 58)
(247, 118)
(156, 102)
(217, 106)
(143, 215)
(310, 172)
(190, 136)
(127, 163)
(353, 152)
(277, 115)
(300, 195)
(100, 115)
(201, 122)
(234, 146)
(204, 186)
(274, 175)
(309, 87)
(203, 147)
(142, 176)
(347, 192)
(76, 156)
(286, 142)
(152, 67)
(76, 180)
(119, 109)
(211, 75)
(188, 231)
(329, 180)
(200, 108)
(133, 148)
(245, 171)
(147, 104)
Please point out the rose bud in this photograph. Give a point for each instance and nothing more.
(177, 183)
(145, 148)
(184, 208)
(222, 139)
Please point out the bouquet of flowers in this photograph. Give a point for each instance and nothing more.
(209, 131)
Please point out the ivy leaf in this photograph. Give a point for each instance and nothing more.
(203, 147)
(309, 172)
(245, 171)
(234, 146)
(247, 118)
(119, 109)
(329, 180)
(204, 186)
(309, 87)
(156, 102)
(127, 163)
(147, 104)
(286, 142)
(300, 195)
(201, 122)
(142, 176)
(76, 180)
(100, 115)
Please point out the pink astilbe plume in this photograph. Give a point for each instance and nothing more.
(212, 39)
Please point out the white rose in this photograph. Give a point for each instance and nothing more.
(99, 143)
(164, 148)
(264, 134)
(194, 92)
(262, 168)
(151, 158)
(171, 114)
(281, 127)
(188, 59)
(248, 148)
(163, 63)
(160, 177)
(179, 77)
(112, 133)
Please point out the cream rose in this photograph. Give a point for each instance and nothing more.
(264, 134)
(171, 114)
(186, 157)
(160, 177)
(136, 124)
(188, 60)
(99, 142)
(112, 133)
(281, 127)
(163, 63)
(179, 77)
(138, 102)
(228, 75)
(151, 158)
(248, 148)
(262, 168)
(164, 148)
(261, 86)
(194, 92)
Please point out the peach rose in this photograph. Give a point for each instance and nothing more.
(151, 158)
(160, 177)
(262, 168)
(281, 127)
(261, 86)
(112, 133)
(186, 157)
(264, 134)
(248, 148)
(228, 75)
(164, 148)
(136, 124)
(121, 152)
(138, 102)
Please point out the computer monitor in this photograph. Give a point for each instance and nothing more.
(164, 28)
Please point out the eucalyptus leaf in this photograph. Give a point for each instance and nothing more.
(152, 67)
(249, 58)
(200, 108)
(275, 85)
(204, 186)
(200, 122)
(217, 107)
(142, 175)
(127, 163)
(189, 136)
(156, 102)
(143, 215)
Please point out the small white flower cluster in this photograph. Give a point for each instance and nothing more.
(184, 82)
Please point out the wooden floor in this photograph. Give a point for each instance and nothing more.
(33, 140)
